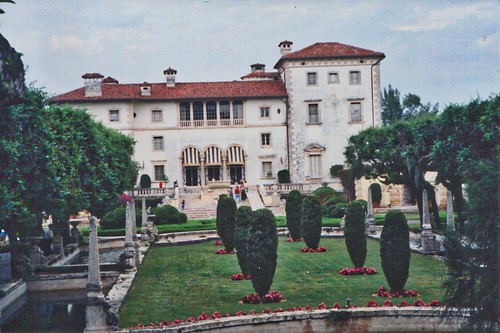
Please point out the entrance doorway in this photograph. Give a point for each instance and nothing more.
(213, 173)
(191, 176)
(236, 173)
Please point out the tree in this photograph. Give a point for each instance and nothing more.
(396, 154)
(311, 221)
(391, 105)
(263, 250)
(355, 233)
(241, 237)
(226, 215)
(346, 179)
(395, 250)
(293, 214)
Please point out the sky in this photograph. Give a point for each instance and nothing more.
(443, 51)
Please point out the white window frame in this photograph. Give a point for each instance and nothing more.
(265, 114)
(154, 114)
(266, 170)
(265, 139)
(351, 112)
(160, 140)
(114, 115)
(352, 76)
(309, 122)
(312, 74)
(336, 74)
(317, 167)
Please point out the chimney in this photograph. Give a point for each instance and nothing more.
(145, 89)
(170, 76)
(93, 84)
(285, 47)
(258, 68)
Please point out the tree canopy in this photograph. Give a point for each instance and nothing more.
(394, 110)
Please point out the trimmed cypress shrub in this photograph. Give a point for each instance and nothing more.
(311, 221)
(284, 176)
(241, 238)
(338, 210)
(145, 181)
(324, 193)
(395, 250)
(262, 250)
(226, 215)
(293, 218)
(354, 234)
(168, 214)
(336, 199)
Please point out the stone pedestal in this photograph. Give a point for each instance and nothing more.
(370, 218)
(58, 245)
(427, 238)
(36, 254)
(129, 252)
(144, 222)
(76, 235)
(450, 217)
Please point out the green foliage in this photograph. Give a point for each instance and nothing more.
(116, 219)
(335, 200)
(355, 233)
(337, 210)
(412, 107)
(324, 193)
(226, 215)
(241, 237)
(145, 181)
(263, 250)
(284, 176)
(363, 203)
(472, 253)
(376, 190)
(168, 214)
(293, 214)
(311, 221)
(395, 250)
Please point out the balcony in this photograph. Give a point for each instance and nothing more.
(211, 123)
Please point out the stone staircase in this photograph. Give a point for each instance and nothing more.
(200, 213)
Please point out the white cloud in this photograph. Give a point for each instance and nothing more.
(429, 19)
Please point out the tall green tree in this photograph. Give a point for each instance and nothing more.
(311, 221)
(226, 221)
(355, 233)
(394, 110)
(293, 214)
(241, 237)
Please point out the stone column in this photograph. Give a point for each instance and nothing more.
(370, 219)
(224, 167)
(95, 316)
(134, 232)
(203, 183)
(427, 237)
(450, 218)
(144, 222)
(129, 244)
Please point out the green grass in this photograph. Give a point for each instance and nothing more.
(183, 281)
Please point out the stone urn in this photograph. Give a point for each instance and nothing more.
(76, 235)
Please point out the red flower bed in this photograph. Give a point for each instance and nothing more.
(274, 297)
(240, 276)
(382, 292)
(358, 271)
(310, 250)
(224, 251)
(218, 242)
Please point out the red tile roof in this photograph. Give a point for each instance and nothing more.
(264, 75)
(181, 91)
(329, 50)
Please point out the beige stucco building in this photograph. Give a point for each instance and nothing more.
(297, 117)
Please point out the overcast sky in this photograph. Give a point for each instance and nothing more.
(443, 51)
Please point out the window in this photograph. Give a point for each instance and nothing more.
(356, 112)
(265, 139)
(311, 78)
(224, 110)
(267, 169)
(114, 115)
(158, 143)
(185, 112)
(313, 113)
(159, 172)
(197, 111)
(264, 112)
(237, 110)
(354, 77)
(157, 115)
(333, 77)
(315, 166)
(211, 111)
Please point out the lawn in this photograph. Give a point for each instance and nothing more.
(182, 281)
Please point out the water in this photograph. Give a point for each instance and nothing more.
(105, 256)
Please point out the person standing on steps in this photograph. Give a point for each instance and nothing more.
(183, 204)
(237, 194)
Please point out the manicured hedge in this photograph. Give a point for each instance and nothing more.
(293, 214)
(226, 216)
(355, 233)
(311, 221)
(241, 237)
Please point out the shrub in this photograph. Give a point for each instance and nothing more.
(293, 218)
(338, 210)
(324, 193)
(283, 176)
(395, 250)
(168, 214)
(114, 219)
(311, 221)
(226, 215)
(241, 239)
(263, 247)
(336, 200)
(145, 181)
(363, 203)
(354, 234)
(324, 210)
(376, 192)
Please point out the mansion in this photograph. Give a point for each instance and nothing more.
(297, 117)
